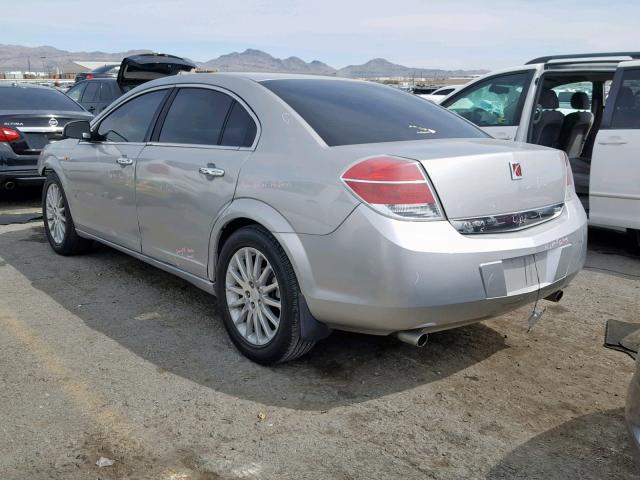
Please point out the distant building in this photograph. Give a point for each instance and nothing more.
(71, 69)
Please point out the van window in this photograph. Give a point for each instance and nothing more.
(565, 93)
(626, 112)
(494, 102)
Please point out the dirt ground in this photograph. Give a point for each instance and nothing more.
(102, 355)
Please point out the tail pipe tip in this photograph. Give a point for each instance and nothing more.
(417, 338)
(9, 185)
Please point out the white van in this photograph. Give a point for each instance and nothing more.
(587, 105)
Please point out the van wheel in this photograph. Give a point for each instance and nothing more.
(58, 224)
(258, 291)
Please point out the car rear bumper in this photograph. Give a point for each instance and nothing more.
(379, 275)
(20, 169)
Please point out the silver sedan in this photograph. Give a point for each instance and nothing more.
(308, 204)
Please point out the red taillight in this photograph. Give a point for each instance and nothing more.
(89, 76)
(9, 134)
(393, 186)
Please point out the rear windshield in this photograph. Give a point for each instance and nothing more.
(19, 98)
(347, 113)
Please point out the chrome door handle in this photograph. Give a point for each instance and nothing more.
(212, 171)
(124, 161)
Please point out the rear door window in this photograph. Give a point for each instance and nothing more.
(131, 121)
(494, 102)
(196, 116)
(91, 92)
(626, 110)
(75, 92)
(348, 112)
(106, 92)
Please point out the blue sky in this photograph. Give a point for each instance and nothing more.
(449, 34)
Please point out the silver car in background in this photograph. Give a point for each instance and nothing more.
(309, 204)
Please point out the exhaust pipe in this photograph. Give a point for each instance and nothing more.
(555, 297)
(9, 185)
(417, 338)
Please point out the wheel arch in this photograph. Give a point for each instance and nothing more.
(243, 212)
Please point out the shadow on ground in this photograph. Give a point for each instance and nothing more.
(172, 324)
(20, 197)
(585, 447)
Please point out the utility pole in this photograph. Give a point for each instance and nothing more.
(29, 64)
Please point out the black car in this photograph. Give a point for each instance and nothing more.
(30, 117)
(95, 94)
(105, 71)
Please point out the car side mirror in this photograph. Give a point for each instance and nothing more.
(80, 129)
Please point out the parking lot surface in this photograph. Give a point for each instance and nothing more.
(102, 355)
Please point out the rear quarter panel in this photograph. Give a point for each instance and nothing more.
(292, 170)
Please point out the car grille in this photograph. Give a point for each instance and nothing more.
(507, 222)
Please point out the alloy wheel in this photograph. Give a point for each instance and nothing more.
(56, 219)
(253, 296)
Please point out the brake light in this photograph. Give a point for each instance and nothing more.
(9, 134)
(393, 186)
(89, 76)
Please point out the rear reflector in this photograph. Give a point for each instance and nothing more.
(393, 186)
(9, 134)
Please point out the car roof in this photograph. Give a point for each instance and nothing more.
(251, 76)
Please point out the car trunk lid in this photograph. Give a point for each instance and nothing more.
(37, 128)
(138, 69)
(474, 178)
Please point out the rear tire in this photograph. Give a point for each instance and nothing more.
(58, 223)
(244, 290)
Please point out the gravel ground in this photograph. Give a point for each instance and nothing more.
(102, 355)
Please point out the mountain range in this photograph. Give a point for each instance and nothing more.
(17, 57)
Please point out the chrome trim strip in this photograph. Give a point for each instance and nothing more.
(40, 129)
(507, 222)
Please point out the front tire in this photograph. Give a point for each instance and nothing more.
(58, 224)
(259, 293)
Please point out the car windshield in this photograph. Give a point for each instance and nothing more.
(347, 112)
(20, 98)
